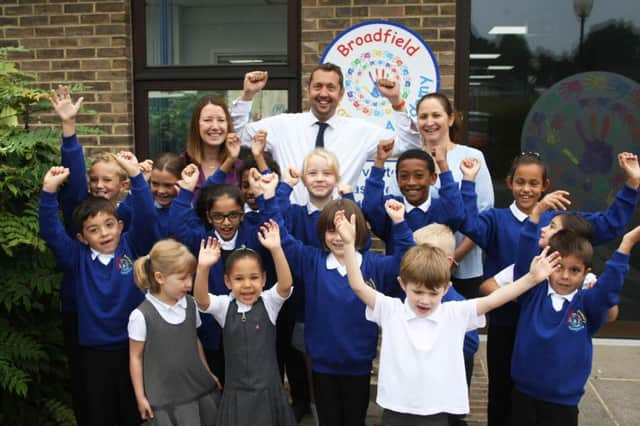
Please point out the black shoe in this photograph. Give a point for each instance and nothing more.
(300, 410)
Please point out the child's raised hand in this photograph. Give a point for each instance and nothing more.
(269, 183)
(543, 265)
(346, 228)
(144, 408)
(254, 181)
(128, 162)
(556, 200)
(259, 143)
(209, 252)
(291, 176)
(439, 153)
(629, 164)
(344, 189)
(470, 168)
(269, 235)
(63, 104)
(629, 240)
(384, 151)
(189, 177)
(395, 210)
(254, 81)
(233, 144)
(145, 168)
(54, 178)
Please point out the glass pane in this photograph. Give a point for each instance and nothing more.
(170, 114)
(525, 95)
(216, 32)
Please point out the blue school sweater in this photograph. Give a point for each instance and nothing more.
(497, 232)
(447, 209)
(105, 295)
(338, 338)
(471, 338)
(553, 350)
(189, 229)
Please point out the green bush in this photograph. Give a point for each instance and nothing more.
(33, 378)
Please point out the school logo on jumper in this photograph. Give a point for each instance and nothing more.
(576, 320)
(124, 264)
(376, 49)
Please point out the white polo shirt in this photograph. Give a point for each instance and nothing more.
(421, 361)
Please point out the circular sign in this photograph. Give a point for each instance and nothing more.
(376, 49)
(579, 125)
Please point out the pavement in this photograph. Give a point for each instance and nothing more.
(612, 394)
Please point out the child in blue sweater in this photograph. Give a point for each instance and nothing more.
(553, 349)
(415, 173)
(421, 377)
(497, 231)
(163, 182)
(220, 215)
(339, 340)
(100, 262)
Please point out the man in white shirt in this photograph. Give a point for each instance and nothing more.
(291, 136)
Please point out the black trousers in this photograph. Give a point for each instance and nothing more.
(72, 352)
(341, 400)
(392, 418)
(528, 411)
(500, 340)
(290, 360)
(107, 385)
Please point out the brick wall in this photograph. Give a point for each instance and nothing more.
(434, 20)
(82, 42)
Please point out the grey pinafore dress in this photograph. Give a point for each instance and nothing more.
(253, 393)
(177, 384)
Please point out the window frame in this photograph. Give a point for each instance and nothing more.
(147, 78)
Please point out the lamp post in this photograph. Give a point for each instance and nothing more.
(582, 9)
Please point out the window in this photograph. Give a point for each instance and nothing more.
(184, 49)
(521, 85)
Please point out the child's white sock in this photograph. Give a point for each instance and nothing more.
(314, 412)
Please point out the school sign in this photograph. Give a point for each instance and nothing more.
(375, 49)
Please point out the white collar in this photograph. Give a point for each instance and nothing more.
(557, 300)
(103, 258)
(181, 303)
(424, 206)
(312, 208)
(519, 214)
(248, 209)
(409, 314)
(227, 245)
(312, 119)
(242, 307)
(332, 263)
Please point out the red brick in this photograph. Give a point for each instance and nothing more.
(18, 32)
(32, 43)
(47, 9)
(446, 33)
(95, 41)
(110, 7)
(439, 21)
(110, 29)
(84, 30)
(64, 19)
(50, 53)
(18, 10)
(63, 42)
(8, 22)
(421, 10)
(81, 53)
(65, 65)
(30, 21)
(52, 76)
(81, 76)
(98, 18)
(112, 75)
(343, 12)
(112, 52)
(78, 8)
(96, 64)
(49, 31)
(386, 11)
(34, 65)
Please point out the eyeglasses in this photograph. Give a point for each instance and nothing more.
(220, 217)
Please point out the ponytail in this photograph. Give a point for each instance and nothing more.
(166, 257)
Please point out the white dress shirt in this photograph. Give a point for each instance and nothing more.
(290, 137)
(173, 314)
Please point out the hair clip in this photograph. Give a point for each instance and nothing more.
(530, 154)
(245, 248)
